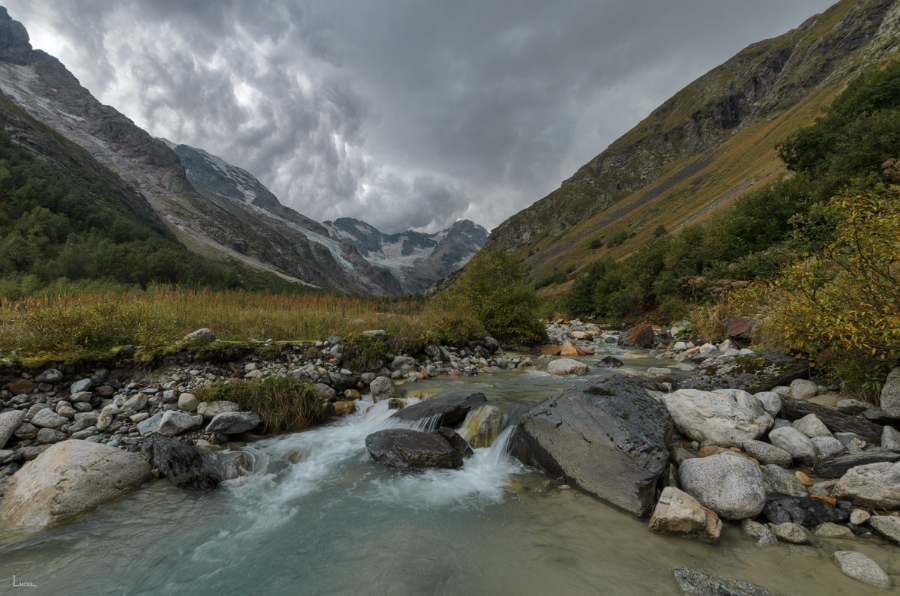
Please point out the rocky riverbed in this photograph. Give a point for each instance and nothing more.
(794, 464)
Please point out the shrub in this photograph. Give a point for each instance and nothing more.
(361, 352)
(284, 403)
(496, 291)
(617, 239)
(457, 330)
(841, 308)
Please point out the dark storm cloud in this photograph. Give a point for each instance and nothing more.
(403, 113)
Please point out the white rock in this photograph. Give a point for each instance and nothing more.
(187, 402)
(729, 484)
(811, 426)
(567, 366)
(871, 485)
(726, 418)
(862, 568)
(827, 447)
(796, 443)
(174, 423)
(69, 478)
(804, 390)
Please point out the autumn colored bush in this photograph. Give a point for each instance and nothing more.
(841, 307)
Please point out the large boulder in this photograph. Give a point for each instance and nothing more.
(179, 462)
(753, 374)
(679, 514)
(448, 410)
(9, 422)
(607, 436)
(890, 394)
(726, 418)
(483, 425)
(872, 485)
(729, 484)
(404, 448)
(69, 478)
(567, 366)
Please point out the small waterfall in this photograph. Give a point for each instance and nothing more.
(498, 452)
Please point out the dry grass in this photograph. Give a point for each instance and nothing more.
(67, 322)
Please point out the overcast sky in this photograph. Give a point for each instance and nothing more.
(406, 114)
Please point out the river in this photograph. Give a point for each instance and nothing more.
(317, 516)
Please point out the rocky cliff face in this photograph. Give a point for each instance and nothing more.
(258, 232)
(677, 154)
(416, 259)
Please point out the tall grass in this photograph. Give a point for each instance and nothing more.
(166, 313)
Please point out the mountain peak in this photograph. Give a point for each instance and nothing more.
(15, 46)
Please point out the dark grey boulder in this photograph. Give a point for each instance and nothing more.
(836, 467)
(803, 511)
(446, 410)
(179, 462)
(700, 583)
(753, 374)
(607, 437)
(405, 448)
(794, 409)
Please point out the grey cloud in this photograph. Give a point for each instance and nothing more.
(405, 114)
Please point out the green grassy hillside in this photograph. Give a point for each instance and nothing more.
(710, 143)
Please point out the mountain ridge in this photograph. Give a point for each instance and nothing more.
(708, 144)
(213, 225)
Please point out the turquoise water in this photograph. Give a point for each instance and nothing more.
(317, 516)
